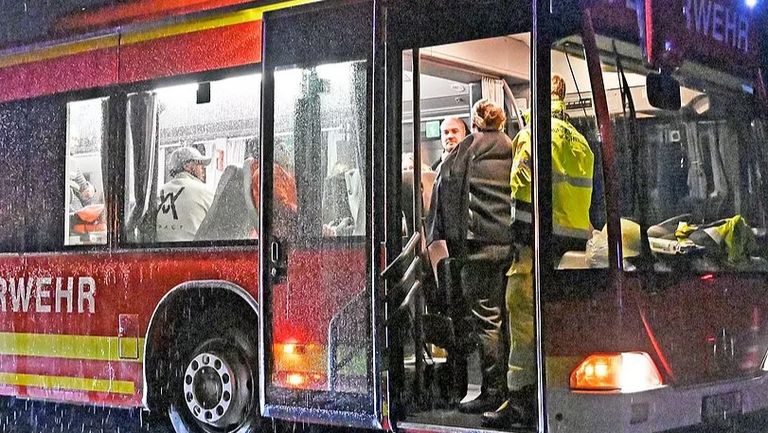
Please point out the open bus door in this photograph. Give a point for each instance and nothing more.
(442, 58)
(317, 328)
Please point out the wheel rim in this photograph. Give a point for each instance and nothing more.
(216, 389)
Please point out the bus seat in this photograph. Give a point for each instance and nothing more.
(356, 200)
(574, 260)
(335, 207)
(227, 218)
(427, 181)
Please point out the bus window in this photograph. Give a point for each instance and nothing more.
(578, 207)
(689, 178)
(319, 142)
(190, 162)
(706, 208)
(327, 124)
(85, 218)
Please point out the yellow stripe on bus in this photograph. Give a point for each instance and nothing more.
(68, 383)
(65, 346)
(209, 23)
(61, 50)
(113, 40)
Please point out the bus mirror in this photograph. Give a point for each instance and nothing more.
(663, 91)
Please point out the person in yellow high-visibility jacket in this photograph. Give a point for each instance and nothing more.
(572, 171)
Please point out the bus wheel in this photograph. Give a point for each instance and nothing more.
(216, 391)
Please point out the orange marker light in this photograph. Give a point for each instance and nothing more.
(295, 379)
(623, 372)
(293, 348)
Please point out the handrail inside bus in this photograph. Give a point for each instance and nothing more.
(403, 257)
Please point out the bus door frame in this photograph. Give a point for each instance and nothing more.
(541, 189)
(377, 417)
(541, 40)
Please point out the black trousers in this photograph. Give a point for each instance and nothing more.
(481, 320)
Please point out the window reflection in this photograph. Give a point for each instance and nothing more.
(190, 162)
(85, 219)
(319, 133)
(319, 198)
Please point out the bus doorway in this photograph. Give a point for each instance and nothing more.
(447, 324)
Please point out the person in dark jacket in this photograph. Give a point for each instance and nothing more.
(471, 218)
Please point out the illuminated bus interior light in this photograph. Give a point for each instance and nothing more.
(623, 372)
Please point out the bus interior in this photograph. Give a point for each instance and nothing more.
(695, 169)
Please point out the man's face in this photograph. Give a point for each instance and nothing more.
(196, 169)
(451, 133)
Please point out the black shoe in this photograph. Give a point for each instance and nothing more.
(519, 409)
(484, 402)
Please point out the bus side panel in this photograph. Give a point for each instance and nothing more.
(578, 326)
(697, 330)
(61, 74)
(82, 340)
(324, 291)
(204, 50)
(320, 285)
(710, 327)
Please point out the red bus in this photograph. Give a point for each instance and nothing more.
(299, 289)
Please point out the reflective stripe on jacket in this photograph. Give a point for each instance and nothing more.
(572, 171)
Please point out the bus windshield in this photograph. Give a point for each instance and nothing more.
(691, 178)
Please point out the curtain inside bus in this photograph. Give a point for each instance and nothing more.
(141, 141)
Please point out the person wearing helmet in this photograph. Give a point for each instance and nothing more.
(185, 199)
(572, 171)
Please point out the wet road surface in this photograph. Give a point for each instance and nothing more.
(24, 416)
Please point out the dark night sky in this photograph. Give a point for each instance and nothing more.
(30, 20)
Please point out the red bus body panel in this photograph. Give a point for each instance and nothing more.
(200, 51)
(126, 282)
(60, 74)
(138, 11)
(181, 54)
(700, 34)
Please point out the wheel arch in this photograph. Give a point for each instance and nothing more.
(181, 296)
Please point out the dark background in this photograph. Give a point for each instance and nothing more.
(33, 20)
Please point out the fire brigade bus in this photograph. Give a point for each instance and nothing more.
(299, 292)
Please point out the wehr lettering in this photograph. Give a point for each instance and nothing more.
(714, 20)
(48, 295)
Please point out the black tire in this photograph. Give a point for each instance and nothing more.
(213, 375)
